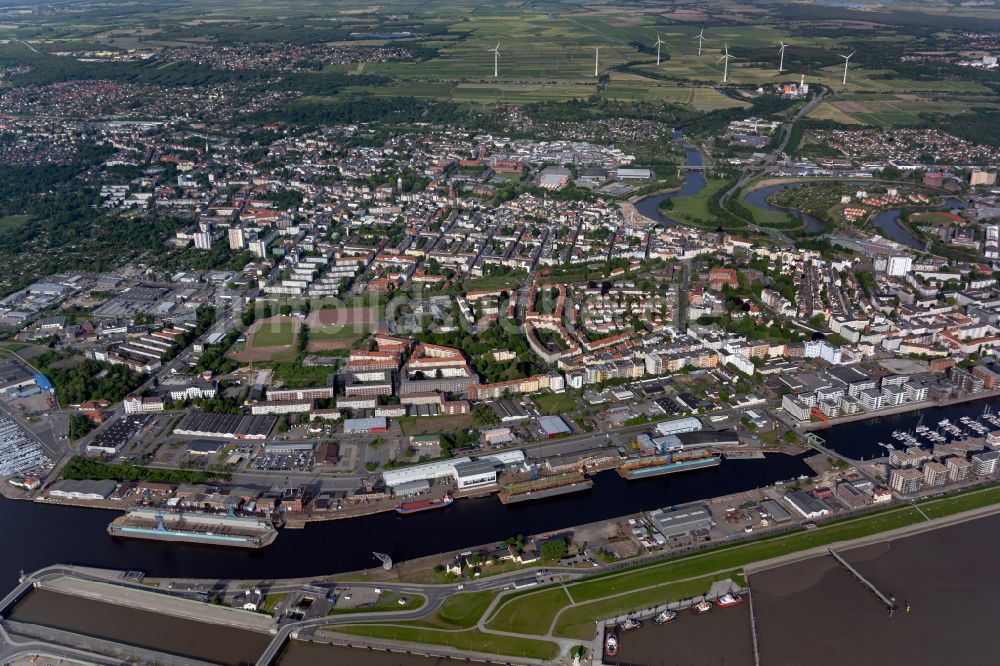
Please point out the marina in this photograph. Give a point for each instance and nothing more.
(967, 423)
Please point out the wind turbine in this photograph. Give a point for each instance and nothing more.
(700, 37)
(727, 58)
(659, 42)
(847, 59)
(496, 59)
(781, 65)
(597, 55)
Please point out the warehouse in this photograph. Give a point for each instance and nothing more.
(553, 426)
(228, 426)
(82, 489)
(807, 505)
(476, 473)
(286, 448)
(371, 424)
(678, 426)
(683, 522)
(205, 447)
(455, 470)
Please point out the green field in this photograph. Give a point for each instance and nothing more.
(531, 617)
(471, 640)
(273, 334)
(341, 335)
(8, 222)
(555, 403)
(388, 603)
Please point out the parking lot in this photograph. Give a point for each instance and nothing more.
(298, 462)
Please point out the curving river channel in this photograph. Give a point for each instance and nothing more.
(694, 182)
(887, 220)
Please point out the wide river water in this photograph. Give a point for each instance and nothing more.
(49, 534)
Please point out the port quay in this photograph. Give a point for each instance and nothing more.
(197, 590)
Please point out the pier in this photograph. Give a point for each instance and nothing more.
(888, 601)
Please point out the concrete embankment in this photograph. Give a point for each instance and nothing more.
(159, 603)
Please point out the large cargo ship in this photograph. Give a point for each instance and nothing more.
(424, 505)
(194, 527)
(640, 468)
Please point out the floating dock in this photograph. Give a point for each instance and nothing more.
(550, 486)
(194, 527)
(640, 468)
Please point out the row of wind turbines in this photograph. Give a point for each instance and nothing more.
(726, 57)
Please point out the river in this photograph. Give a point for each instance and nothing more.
(48, 534)
(694, 182)
(886, 220)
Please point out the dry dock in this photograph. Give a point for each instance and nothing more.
(194, 527)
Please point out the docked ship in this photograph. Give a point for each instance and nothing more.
(727, 600)
(629, 624)
(424, 505)
(611, 645)
(639, 468)
(211, 529)
(665, 617)
(702, 607)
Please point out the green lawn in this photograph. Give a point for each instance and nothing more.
(8, 222)
(975, 499)
(530, 614)
(345, 335)
(471, 640)
(270, 601)
(555, 403)
(386, 604)
(273, 334)
(464, 609)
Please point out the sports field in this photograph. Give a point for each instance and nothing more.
(271, 339)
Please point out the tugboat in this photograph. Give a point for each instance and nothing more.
(702, 607)
(611, 645)
(629, 624)
(728, 599)
(665, 617)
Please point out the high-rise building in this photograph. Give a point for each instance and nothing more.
(237, 239)
(906, 480)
